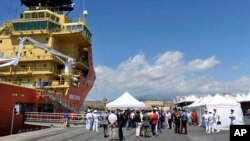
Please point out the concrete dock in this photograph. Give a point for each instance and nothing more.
(80, 134)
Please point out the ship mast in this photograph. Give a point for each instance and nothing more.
(53, 5)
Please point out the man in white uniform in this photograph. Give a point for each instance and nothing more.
(216, 118)
(205, 118)
(210, 121)
(88, 120)
(96, 121)
(232, 117)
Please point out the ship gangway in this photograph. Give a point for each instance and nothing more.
(53, 119)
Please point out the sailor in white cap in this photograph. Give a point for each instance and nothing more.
(210, 121)
(205, 118)
(96, 121)
(216, 121)
(88, 120)
(232, 117)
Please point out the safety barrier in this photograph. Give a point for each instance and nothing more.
(44, 117)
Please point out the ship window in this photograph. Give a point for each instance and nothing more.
(40, 15)
(51, 25)
(47, 39)
(1, 41)
(53, 17)
(31, 52)
(47, 15)
(57, 19)
(44, 65)
(22, 66)
(24, 53)
(27, 15)
(46, 51)
(69, 28)
(74, 27)
(43, 25)
(34, 15)
(30, 26)
(37, 25)
(22, 26)
(79, 27)
(16, 26)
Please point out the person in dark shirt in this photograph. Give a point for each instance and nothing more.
(176, 119)
(137, 120)
(120, 121)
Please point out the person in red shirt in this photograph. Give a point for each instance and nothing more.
(194, 117)
(154, 120)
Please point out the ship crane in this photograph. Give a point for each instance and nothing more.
(14, 61)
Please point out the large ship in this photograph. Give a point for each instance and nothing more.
(46, 62)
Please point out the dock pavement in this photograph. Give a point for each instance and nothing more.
(80, 134)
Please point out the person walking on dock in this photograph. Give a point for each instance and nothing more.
(66, 119)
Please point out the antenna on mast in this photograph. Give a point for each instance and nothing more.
(84, 13)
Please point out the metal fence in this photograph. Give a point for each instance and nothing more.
(53, 117)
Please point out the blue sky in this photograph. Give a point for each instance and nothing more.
(168, 47)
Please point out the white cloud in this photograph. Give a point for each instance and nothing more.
(201, 65)
(237, 67)
(166, 75)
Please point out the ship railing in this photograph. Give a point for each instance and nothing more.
(45, 117)
(60, 103)
(26, 70)
(41, 84)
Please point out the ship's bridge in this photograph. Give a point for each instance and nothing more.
(37, 21)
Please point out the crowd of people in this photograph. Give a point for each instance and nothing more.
(143, 121)
(211, 119)
(151, 122)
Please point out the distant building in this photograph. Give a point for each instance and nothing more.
(96, 104)
(184, 100)
(149, 104)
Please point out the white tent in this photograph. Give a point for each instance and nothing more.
(223, 107)
(125, 101)
(199, 102)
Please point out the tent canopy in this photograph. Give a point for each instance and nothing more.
(223, 107)
(125, 101)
